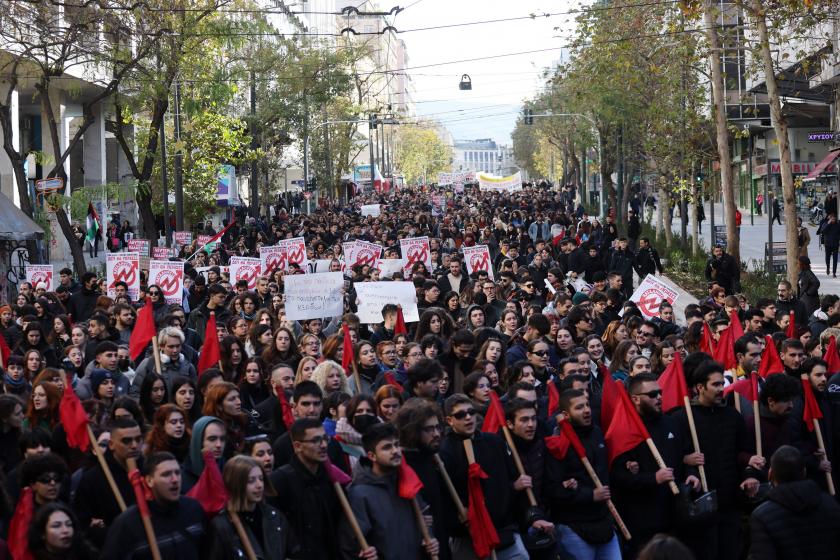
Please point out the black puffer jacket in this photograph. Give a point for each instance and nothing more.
(797, 522)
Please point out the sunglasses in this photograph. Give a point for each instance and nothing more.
(48, 478)
(461, 414)
(540, 353)
(154, 293)
(651, 394)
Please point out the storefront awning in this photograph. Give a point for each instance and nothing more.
(823, 165)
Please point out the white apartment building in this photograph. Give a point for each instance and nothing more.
(483, 154)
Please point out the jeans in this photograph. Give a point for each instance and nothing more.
(462, 550)
(831, 254)
(578, 549)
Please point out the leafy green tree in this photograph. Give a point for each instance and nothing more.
(421, 154)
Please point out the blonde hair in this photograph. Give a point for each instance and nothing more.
(303, 361)
(321, 372)
(236, 473)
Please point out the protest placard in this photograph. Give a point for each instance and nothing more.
(651, 293)
(139, 246)
(477, 257)
(415, 249)
(162, 253)
(123, 267)
(182, 238)
(371, 210)
(272, 258)
(169, 277)
(38, 273)
(295, 250)
(374, 295)
(319, 265)
(244, 268)
(314, 296)
(387, 267)
(490, 182)
(361, 253)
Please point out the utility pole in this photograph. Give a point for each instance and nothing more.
(178, 164)
(255, 201)
(330, 184)
(619, 210)
(371, 128)
(167, 232)
(306, 153)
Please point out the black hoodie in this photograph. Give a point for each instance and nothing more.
(797, 521)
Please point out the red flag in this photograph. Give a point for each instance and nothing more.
(210, 489)
(570, 434)
(770, 361)
(707, 343)
(735, 325)
(19, 526)
(553, 397)
(399, 326)
(408, 483)
(210, 352)
(747, 387)
(73, 418)
(482, 530)
(609, 397)
(790, 332)
(142, 493)
(336, 475)
(347, 354)
(831, 357)
(558, 446)
(144, 330)
(391, 380)
(626, 430)
(4, 348)
(285, 407)
(673, 384)
(811, 411)
(725, 350)
(494, 418)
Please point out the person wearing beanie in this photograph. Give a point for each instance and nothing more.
(102, 385)
(208, 435)
(579, 298)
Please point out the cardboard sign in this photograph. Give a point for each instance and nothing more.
(244, 268)
(415, 249)
(387, 267)
(295, 250)
(477, 257)
(374, 295)
(140, 246)
(361, 253)
(371, 210)
(651, 293)
(38, 273)
(182, 238)
(169, 276)
(123, 267)
(162, 253)
(272, 258)
(314, 296)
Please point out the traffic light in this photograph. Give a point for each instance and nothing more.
(313, 184)
(529, 116)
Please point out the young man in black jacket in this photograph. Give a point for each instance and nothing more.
(578, 509)
(798, 519)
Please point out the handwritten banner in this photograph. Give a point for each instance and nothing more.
(123, 267)
(314, 296)
(374, 295)
(371, 210)
(389, 267)
(169, 276)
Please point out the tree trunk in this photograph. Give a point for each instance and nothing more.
(781, 130)
(722, 136)
(695, 226)
(606, 164)
(665, 213)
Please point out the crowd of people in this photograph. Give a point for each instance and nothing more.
(294, 410)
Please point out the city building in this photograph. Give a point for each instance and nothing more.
(483, 155)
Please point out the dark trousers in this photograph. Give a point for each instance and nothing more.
(718, 540)
(777, 217)
(93, 247)
(831, 255)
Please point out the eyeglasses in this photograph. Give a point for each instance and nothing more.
(48, 478)
(317, 440)
(651, 394)
(461, 414)
(154, 293)
(540, 353)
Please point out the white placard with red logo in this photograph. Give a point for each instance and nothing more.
(374, 295)
(650, 294)
(415, 249)
(140, 246)
(295, 250)
(38, 273)
(162, 253)
(123, 267)
(182, 238)
(361, 253)
(314, 296)
(272, 258)
(169, 276)
(387, 267)
(244, 268)
(477, 257)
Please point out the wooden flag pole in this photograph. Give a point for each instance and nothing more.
(610, 506)
(109, 476)
(156, 353)
(695, 441)
(146, 519)
(821, 444)
(243, 536)
(351, 517)
(462, 511)
(421, 524)
(518, 462)
(661, 463)
(737, 401)
(470, 453)
(357, 378)
(757, 423)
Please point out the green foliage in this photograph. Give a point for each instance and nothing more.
(421, 154)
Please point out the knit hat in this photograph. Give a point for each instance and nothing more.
(97, 377)
(579, 298)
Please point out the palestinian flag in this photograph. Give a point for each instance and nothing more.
(92, 223)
